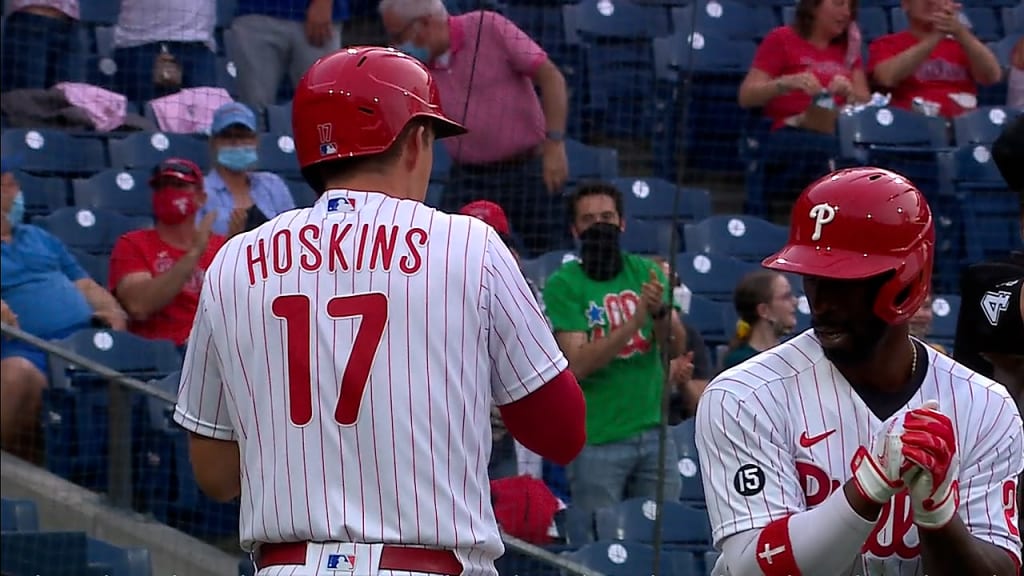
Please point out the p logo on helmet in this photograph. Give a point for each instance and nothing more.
(822, 214)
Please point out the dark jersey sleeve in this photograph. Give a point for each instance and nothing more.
(990, 315)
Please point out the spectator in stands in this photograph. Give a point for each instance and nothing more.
(936, 59)
(1015, 84)
(157, 273)
(241, 198)
(44, 292)
(162, 46)
(272, 37)
(612, 323)
(486, 69)
(817, 55)
(38, 43)
(690, 372)
(921, 324)
(767, 311)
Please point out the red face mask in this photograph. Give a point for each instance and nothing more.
(174, 205)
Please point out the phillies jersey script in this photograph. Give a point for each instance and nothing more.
(776, 435)
(353, 350)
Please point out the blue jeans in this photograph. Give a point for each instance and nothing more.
(606, 474)
(37, 51)
(135, 68)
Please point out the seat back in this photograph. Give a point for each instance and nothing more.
(712, 275)
(123, 191)
(744, 237)
(144, 151)
(92, 231)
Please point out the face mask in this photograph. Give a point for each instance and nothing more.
(237, 158)
(600, 255)
(174, 205)
(17, 212)
(418, 52)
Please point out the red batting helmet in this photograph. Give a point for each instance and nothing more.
(863, 222)
(357, 100)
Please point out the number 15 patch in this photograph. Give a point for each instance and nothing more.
(749, 480)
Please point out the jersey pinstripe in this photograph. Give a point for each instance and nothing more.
(354, 349)
(791, 416)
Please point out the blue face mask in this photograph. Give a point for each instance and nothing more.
(237, 158)
(17, 212)
(418, 52)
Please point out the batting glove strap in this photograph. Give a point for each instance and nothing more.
(870, 478)
(934, 507)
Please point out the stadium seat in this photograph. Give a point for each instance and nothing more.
(984, 22)
(277, 154)
(988, 213)
(898, 18)
(105, 558)
(143, 151)
(587, 162)
(711, 319)
(620, 558)
(945, 309)
(96, 265)
(1004, 48)
(42, 195)
(688, 462)
(99, 12)
(302, 194)
(279, 118)
(983, 125)
(712, 275)
(540, 268)
(122, 351)
(633, 520)
(621, 20)
(53, 152)
(92, 231)
(442, 163)
(658, 199)
(33, 553)
(18, 516)
(226, 11)
(650, 237)
(710, 558)
(1013, 19)
(435, 194)
(729, 19)
(873, 22)
(744, 237)
(227, 75)
(127, 192)
(246, 567)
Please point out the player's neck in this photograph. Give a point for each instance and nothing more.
(889, 369)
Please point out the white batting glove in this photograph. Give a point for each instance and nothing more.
(879, 472)
(929, 441)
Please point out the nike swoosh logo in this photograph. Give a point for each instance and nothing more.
(808, 441)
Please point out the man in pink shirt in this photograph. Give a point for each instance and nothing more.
(937, 59)
(486, 69)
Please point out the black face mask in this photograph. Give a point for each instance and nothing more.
(600, 255)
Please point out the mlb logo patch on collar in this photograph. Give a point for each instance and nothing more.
(341, 562)
(340, 202)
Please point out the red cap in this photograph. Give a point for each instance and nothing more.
(490, 213)
(177, 169)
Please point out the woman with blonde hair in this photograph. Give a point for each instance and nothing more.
(766, 307)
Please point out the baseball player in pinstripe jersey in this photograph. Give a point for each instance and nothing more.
(344, 358)
(854, 449)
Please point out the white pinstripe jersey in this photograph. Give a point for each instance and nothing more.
(776, 435)
(427, 310)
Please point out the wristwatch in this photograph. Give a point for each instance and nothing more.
(661, 312)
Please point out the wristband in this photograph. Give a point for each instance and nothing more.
(660, 312)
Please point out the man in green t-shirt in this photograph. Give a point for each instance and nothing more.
(611, 319)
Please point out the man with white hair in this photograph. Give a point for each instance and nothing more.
(486, 69)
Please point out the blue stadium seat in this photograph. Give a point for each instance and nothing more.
(92, 231)
(227, 75)
(711, 318)
(984, 22)
(246, 567)
(1013, 19)
(710, 558)
(590, 161)
(435, 194)
(988, 212)
(18, 516)
(675, 55)
(42, 195)
(143, 151)
(279, 118)
(1004, 48)
(302, 194)
(442, 163)
(226, 12)
(99, 12)
(743, 237)
(277, 154)
(33, 553)
(538, 269)
(633, 520)
(873, 22)
(122, 351)
(712, 275)
(688, 462)
(105, 558)
(623, 19)
(945, 309)
(898, 18)
(54, 152)
(658, 199)
(96, 265)
(730, 19)
(620, 558)
(983, 125)
(127, 192)
(650, 237)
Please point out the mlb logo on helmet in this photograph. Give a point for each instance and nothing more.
(327, 147)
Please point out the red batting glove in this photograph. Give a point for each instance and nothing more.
(929, 441)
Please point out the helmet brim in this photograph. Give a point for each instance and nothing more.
(446, 128)
(826, 263)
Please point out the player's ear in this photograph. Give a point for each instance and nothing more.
(763, 310)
